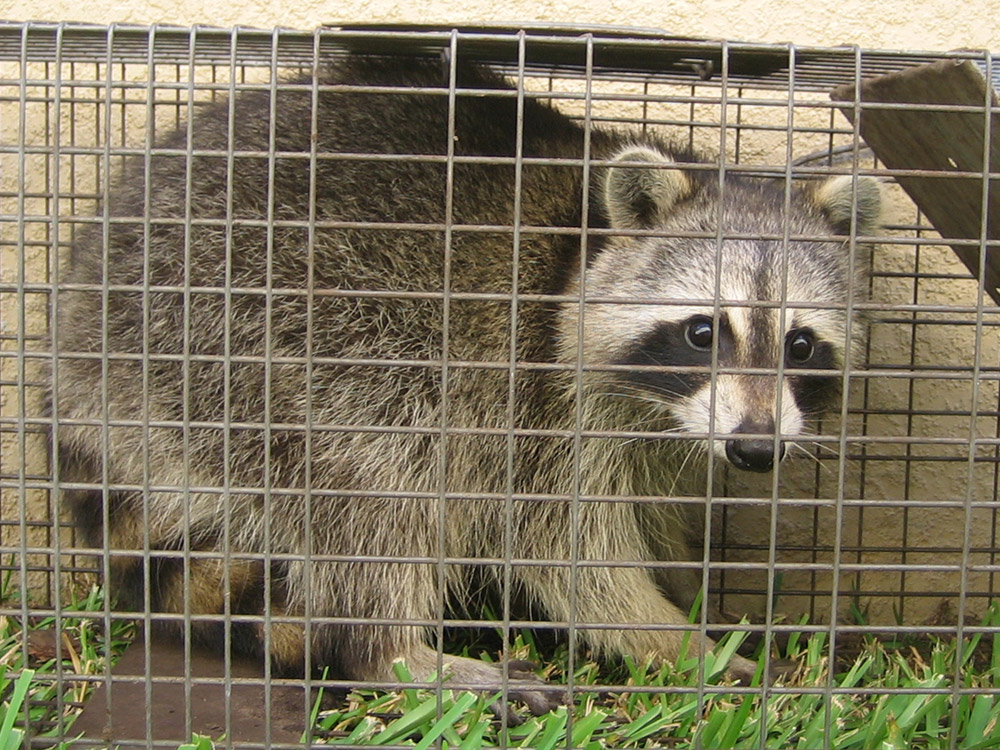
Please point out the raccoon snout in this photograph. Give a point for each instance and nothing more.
(753, 455)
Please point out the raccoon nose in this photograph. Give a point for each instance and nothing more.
(752, 455)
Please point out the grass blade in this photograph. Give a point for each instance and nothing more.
(13, 708)
(464, 702)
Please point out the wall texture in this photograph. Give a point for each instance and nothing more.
(896, 24)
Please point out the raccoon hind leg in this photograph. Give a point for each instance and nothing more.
(124, 534)
(202, 585)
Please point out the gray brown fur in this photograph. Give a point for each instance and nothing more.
(188, 379)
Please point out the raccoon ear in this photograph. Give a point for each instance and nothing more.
(834, 198)
(639, 197)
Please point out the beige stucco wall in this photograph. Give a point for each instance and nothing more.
(927, 24)
(898, 24)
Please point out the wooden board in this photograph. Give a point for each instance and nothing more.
(943, 142)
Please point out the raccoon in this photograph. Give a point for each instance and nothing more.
(299, 371)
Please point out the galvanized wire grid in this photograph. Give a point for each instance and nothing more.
(896, 512)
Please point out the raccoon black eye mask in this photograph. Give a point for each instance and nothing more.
(801, 343)
(294, 441)
(699, 334)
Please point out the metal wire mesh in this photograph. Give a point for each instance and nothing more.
(891, 510)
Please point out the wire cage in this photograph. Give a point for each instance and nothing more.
(883, 522)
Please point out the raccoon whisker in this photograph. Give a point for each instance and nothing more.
(645, 399)
(801, 450)
(817, 444)
(684, 462)
(630, 441)
(659, 390)
(643, 423)
(658, 406)
(637, 397)
(815, 419)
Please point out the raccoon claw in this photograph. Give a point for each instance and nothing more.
(524, 686)
(522, 666)
(743, 670)
(539, 701)
(778, 668)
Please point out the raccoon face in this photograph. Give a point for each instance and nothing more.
(779, 305)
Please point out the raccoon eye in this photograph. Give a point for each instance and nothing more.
(801, 346)
(699, 333)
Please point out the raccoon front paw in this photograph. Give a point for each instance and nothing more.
(528, 688)
(744, 670)
(521, 682)
(741, 669)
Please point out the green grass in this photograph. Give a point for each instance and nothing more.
(881, 701)
(10, 711)
(879, 704)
